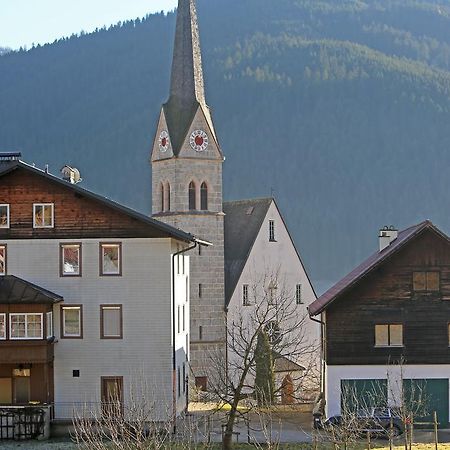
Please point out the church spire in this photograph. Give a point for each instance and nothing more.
(187, 91)
(187, 85)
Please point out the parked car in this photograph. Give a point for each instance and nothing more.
(376, 421)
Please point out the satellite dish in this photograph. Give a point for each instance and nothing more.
(71, 174)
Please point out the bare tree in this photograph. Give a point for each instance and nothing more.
(272, 310)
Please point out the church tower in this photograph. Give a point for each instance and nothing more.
(187, 186)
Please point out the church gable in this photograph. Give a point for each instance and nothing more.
(162, 145)
(200, 141)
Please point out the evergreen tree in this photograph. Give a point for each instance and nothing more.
(265, 375)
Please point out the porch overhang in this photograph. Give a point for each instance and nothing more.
(15, 291)
(27, 352)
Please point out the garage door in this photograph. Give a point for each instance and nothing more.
(362, 395)
(425, 396)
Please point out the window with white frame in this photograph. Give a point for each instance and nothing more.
(111, 322)
(245, 296)
(4, 216)
(43, 215)
(2, 326)
(49, 325)
(272, 230)
(2, 259)
(26, 326)
(72, 325)
(298, 294)
(70, 260)
(111, 259)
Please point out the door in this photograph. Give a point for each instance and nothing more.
(21, 386)
(363, 395)
(5, 391)
(112, 396)
(422, 397)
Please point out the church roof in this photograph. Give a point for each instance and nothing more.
(243, 220)
(187, 90)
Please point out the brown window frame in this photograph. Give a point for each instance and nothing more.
(61, 259)
(8, 216)
(101, 244)
(6, 260)
(389, 345)
(102, 326)
(426, 272)
(104, 404)
(61, 315)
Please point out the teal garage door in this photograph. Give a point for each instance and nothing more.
(362, 395)
(424, 396)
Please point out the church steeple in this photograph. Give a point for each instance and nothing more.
(187, 91)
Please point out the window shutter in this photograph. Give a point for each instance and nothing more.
(419, 281)
(433, 281)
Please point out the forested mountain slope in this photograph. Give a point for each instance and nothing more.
(341, 107)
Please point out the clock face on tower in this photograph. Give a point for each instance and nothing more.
(163, 141)
(199, 140)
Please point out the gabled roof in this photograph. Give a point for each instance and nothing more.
(165, 230)
(15, 291)
(283, 364)
(370, 264)
(243, 220)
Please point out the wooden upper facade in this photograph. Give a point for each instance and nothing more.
(399, 309)
(78, 213)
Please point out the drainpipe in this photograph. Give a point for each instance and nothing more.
(197, 242)
(322, 352)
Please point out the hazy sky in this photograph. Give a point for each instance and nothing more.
(23, 22)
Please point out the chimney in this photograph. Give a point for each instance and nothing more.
(387, 236)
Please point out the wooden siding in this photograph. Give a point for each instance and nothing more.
(387, 296)
(76, 216)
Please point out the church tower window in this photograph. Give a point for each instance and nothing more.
(162, 197)
(192, 195)
(167, 202)
(204, 197)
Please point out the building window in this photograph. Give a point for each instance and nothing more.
(49, 325)
(200, 250)
(25, 326)
(389, 335)
(200, 290)
(72, 322)
(426, 281)
(162, 197)
(271, 230)
(200, 333)
(112, 397)
(43, 215)
(110, 259)
(178, 319)
(204, 197)
(70, 260)
(2, 259)
(184, 378)
(167, 205)
(184, 318)
(2, 326)
(245, 297)
(298, 294)
(201, 383)
(179, 382)
(192, 195)
(111, 322)
(4, 216)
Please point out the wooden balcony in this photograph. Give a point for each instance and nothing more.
(26, 352)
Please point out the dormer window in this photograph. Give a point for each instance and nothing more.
(43, 215)
(4, 216)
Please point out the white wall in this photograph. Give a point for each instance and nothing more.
(280, 257)
(144, 355)
(393, 373)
